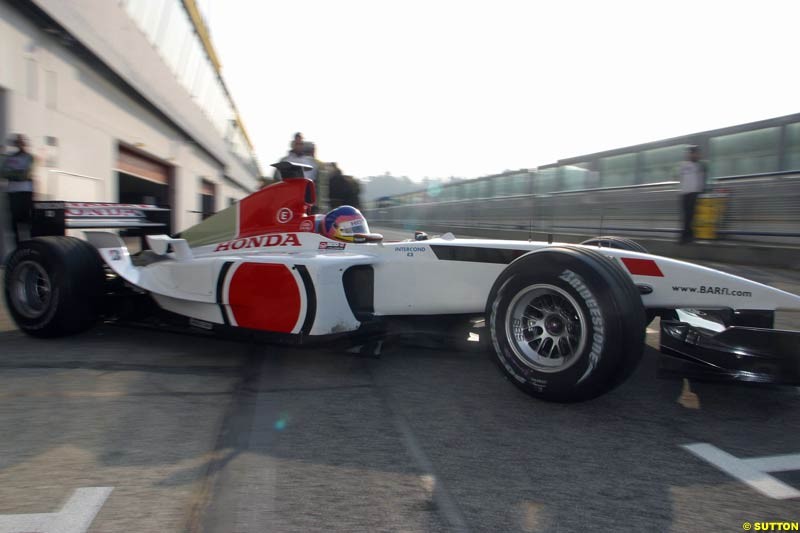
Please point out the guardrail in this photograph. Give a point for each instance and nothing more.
(763, 208)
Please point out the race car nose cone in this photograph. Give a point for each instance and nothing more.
(554, 325)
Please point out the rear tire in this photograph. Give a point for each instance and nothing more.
(54, 286)
(566, 324)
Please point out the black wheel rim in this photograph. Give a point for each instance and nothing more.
(30, 289)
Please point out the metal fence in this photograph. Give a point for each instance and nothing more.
(763, 208)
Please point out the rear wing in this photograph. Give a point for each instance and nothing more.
(54, 218)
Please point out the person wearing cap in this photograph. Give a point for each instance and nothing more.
(17, 170)
(692, 174)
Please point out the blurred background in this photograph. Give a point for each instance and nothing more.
(511, 118)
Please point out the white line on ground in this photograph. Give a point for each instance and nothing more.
(441, 496)
(775, 463)
(74, 517)
(750, 471)
(437, 490)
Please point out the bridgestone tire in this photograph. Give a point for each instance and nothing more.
(619, 243)
(54, 286)
(589, 301)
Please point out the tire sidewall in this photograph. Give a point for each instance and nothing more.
(598, 359)
(33, 252)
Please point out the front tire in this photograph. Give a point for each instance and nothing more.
(54, 285)
(567, 324)
(621, 243)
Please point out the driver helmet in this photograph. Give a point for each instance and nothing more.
(343, 223)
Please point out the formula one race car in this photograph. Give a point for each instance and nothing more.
(566, 322)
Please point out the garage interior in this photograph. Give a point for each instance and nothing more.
(144, 180)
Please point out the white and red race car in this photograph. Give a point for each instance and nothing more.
(566, 322)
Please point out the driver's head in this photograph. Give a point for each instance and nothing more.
(343, 223)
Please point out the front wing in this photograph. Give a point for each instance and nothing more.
(737, 353)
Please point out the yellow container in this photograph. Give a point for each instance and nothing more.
(708, 215)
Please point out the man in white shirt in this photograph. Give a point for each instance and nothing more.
(693, 181)
(298, 153)
(17, 170)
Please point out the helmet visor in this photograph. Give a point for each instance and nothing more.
(351, 225)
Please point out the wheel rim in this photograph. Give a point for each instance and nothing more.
(30, 289)
(546, 328)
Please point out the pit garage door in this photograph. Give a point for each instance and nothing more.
(143, 179)
(208, 199)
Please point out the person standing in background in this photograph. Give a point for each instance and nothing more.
(298, 153)
(692, 174)
(337, 187)
(353, 192)
(310, 154)
(6, 244)
(318, 174)
(17, 169)
(344, 190)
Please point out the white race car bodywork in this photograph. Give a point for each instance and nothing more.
(566, 322)
(258, 282)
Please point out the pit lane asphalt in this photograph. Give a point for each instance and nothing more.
(197, 434)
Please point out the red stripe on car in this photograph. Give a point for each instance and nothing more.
(642, 267)
(265, 297)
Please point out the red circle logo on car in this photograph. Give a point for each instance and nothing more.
(306, 225)
(284, 215)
